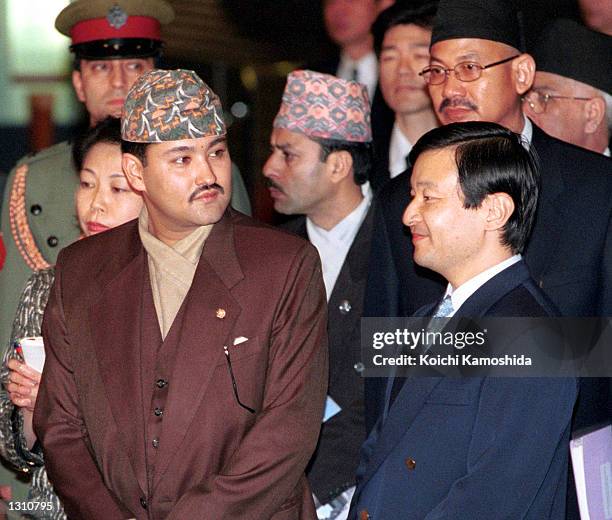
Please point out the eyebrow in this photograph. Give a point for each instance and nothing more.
(458, 59)
(427, 184)
(218, 140)
(176, 149)
(283, 147)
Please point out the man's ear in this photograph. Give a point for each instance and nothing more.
(500, 207)
(339, 165)
(523, 69)
(77, 83)
(133, 171)
(595, 112)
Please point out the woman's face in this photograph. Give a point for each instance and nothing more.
(104, 198)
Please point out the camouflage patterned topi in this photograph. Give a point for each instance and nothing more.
(324, 106)
(170, 105)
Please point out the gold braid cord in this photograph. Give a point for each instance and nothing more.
(18, 217)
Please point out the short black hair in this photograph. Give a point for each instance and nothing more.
(107, 131)
(362, 154)
(137, 149)
(491, 159)
(421, 13)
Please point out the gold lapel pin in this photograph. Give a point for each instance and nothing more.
(220, 313)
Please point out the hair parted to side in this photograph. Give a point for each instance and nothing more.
(106, 131)
(421, 14)
(361, 153)
(138, 150)
(491, 159)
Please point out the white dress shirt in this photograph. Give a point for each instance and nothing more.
(466, 289)
(333, 245)
(367, 71)
(399, 148)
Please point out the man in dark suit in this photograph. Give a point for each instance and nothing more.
(569, 253)
(186, 374)
(321, 156)
(348, 24)
(401, 40)
(475, 447)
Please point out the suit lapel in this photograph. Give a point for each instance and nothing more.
(115, 331)
(208, 317)
(479, 303)
(349, 286)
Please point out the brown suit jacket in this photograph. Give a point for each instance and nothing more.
(215, 459)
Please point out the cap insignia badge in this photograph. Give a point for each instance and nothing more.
(116, 17)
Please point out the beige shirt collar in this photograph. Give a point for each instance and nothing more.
(171, 269)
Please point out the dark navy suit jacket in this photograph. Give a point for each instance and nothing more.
(569, 255)
(473, 448)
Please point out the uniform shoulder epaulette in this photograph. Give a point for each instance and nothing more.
(54, 150)
(18, 220)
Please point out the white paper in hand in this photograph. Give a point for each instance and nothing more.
(33, 352)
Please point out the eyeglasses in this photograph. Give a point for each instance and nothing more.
(465, 71)
(234, 384)
(538, 101)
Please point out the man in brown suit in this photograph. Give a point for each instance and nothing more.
(186, 360)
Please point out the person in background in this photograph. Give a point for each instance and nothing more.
(402, 34)
(103, 200)
(321, 156)
(348, 24)
(597, 15)
(571, 97)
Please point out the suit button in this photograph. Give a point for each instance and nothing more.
(410, 463)
(155, 443)
(143, 502)
(161, 383)
(364, 515)
(36, 209)
(359, 367)
(158, 412)
(52, 241)
(345, 307)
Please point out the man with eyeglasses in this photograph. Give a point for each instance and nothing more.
(479, 73)
(571, 97)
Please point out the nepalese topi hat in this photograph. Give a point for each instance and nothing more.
(106, 29)
(324, 106)
(494, 20)
(568, 48)
(170, 105)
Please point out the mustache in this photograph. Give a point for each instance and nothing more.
(456, 102)
(204, 188)
(271, 184)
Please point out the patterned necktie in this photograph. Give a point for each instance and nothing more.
(445, 309)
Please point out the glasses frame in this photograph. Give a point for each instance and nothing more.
(447, 71)
(546, 98)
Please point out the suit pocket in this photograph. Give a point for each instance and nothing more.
(245, 349)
